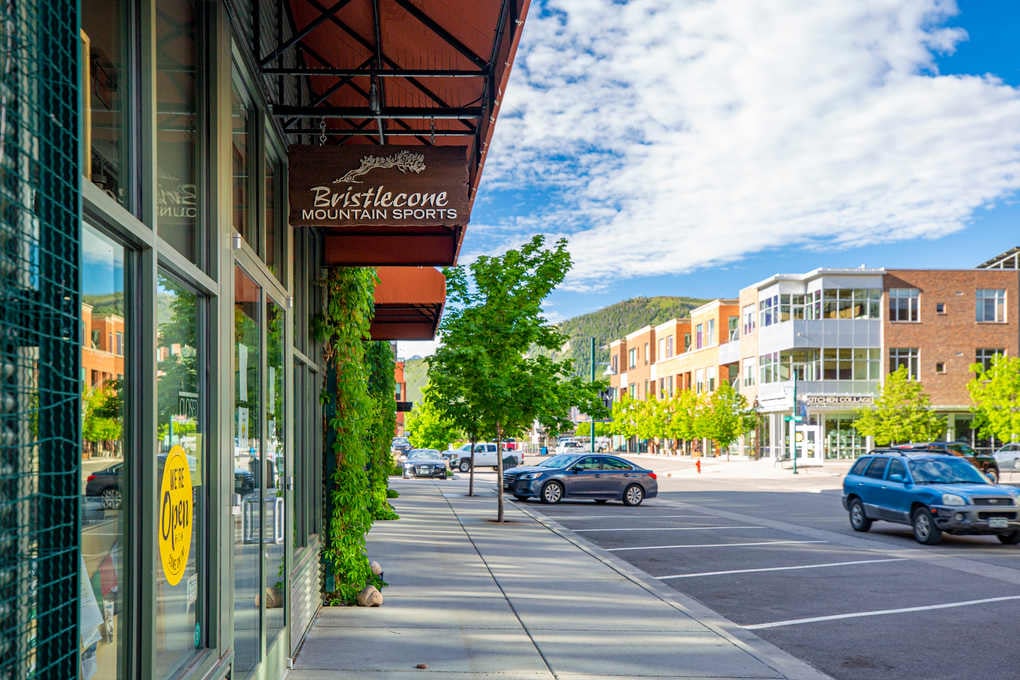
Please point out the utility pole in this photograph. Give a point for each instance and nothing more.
(592, 438)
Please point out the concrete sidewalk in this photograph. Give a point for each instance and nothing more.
(470, 598)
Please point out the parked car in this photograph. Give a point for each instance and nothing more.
(485, 456)
(598, 476)
(933, 492)
(244, 482)
(105, 485)
(400, 446)
(424, 463)
(570, 446)
(1007, 456)
(982, 461)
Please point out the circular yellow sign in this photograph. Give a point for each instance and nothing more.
(175, 513)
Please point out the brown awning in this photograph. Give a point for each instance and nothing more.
(392, 72)
(408, 303)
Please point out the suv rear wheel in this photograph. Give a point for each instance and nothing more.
(1012, 538)
(465, 465)
(925, 529)
(858, 520)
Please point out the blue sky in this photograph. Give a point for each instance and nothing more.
(740, 138)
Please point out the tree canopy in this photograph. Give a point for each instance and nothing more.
(484, 376)
(996, 394)
(902, 413)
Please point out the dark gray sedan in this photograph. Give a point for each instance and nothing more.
(599, 477)
(424, 463)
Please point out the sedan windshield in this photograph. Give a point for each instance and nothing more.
(947, 471)
(562, 460)
(422, 454)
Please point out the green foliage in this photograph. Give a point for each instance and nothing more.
(392, 493)
(615, 321)
(725, 416)
(381, 390)
(428, 428)
(492, 374)
(996, 396)
(415, 379)
(343, 328)
(602, 429)
(902, 413)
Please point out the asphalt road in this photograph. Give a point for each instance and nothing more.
(786, 566)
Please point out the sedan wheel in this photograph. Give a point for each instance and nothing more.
(858, 520)
(111, 498)
(1012, 538)
(465, 466)
(552, 492)
(925, 529)
(633, 495)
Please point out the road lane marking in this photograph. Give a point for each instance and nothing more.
(879, 612)
(581, 531)
(564, 518)
(801, 566)
(706, 545)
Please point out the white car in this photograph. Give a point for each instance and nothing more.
(1007, 456)
(571, 446)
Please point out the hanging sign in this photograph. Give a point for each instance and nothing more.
(175, 515)
(391, 186)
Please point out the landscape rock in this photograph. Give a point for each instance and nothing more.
(370, 597)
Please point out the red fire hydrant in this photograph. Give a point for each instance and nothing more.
(697, 464)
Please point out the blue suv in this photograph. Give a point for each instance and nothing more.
(934, 493)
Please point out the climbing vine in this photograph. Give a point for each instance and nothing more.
(343, 329)
(381, 390)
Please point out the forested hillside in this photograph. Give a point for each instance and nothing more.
(615, 321)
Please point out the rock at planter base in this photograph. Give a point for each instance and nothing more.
(376, 568)
(370, 597)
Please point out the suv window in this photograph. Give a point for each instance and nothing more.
(858, 468)
(897, 471)
(877, 468)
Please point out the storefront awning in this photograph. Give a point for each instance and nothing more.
(393, 74)
(408, 303)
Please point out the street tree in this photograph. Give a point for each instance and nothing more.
(901, 413)
(725, 416)
(427, 427)
(490, 373)
(996, 394)
(682, 423)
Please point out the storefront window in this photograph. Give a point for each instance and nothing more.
(181, 519)
(842, 440)
(105, 463)
(275, 585)
(275, 234)
(105, 84)
(242, 172)
(248, 466)
(177, 63)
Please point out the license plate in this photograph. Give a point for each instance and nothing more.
(998, 523)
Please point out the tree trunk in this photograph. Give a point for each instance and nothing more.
(499, 473)
(471, 472)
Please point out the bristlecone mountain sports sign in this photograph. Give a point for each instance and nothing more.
(349, 186)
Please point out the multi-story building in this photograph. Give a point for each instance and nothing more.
(808, 351)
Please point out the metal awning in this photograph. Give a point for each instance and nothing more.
(408, 303)
(390, 72)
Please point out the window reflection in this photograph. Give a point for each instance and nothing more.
(177, 118)
(104, 460)
(178, 612)
(249, 467)
(276, 567)
(103, 49)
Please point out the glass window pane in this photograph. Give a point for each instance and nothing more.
(241, 139)
(104, 465)
(247, 456)
(276, 567)
(275, 234)
(177, 64)
(182, 519)
(106, 89)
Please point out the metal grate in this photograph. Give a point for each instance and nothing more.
(39, 343)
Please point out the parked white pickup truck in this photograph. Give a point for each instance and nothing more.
(485, 456)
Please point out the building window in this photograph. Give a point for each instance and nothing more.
(648, 354)
(669, 346)
(699, 380)
(711, 383)
(905, 356)
(632, 357)
(748, 314)
(768, 368)
(904, 304)
(662, 348)
(991, 305)
(699, 336)
(768, 310)
(985, 356)
(940, 367)
(616, 364)
(687, 342)
(732, 333)
(748, 373)
(710, 333)
(633, 391)
(940, 307)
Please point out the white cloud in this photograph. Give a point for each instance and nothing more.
(674, 135)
